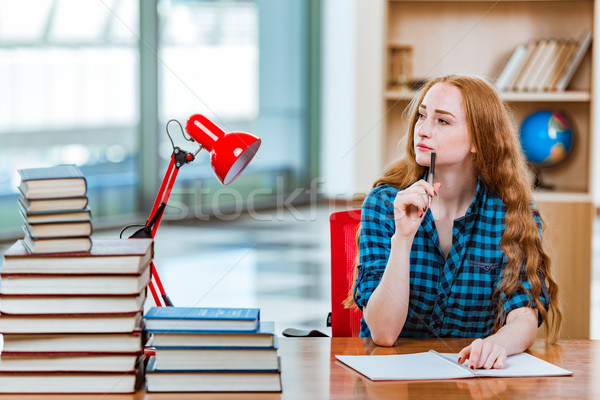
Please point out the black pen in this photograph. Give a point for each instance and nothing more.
(430, 175)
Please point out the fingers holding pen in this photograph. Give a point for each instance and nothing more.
(414, 201)
(428, 191)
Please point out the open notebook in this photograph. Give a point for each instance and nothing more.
(434, 365)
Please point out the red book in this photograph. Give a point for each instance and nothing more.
(74, 361)
(70, 304)
(74, 284)
(106, 256)
(71, 382)
(75, 342)
(60, 323)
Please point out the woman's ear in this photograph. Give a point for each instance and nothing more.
(473, 149)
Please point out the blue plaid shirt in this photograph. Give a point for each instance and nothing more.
(450, 296)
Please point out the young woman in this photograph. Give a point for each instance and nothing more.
(461, 257)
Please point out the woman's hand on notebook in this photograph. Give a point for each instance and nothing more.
(483, 353)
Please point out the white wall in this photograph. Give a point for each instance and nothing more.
(352, 99)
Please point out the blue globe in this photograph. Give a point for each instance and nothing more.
(546, 138)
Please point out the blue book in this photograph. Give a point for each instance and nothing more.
(201, 319)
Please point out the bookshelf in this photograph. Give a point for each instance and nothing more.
(478, 37)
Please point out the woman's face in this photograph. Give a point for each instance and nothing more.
(442, 126)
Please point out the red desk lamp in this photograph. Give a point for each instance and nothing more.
(230, 154)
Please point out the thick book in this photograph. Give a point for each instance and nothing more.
(52, 182)
(104, 383)
(216, 358)
(101, 323)
(190, 319)
(211, 381)
(433, 365)
(42, 230)
(582, 48)
(36, 217)
(57, 304)
(73, 284)
(53, 205)
(106, 256)
(74, 361)
(57, 245)
(263, 337)
(74, 342)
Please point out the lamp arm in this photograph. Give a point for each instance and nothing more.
(178, 158)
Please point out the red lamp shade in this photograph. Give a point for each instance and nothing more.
(230, 153)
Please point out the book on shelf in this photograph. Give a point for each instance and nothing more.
(71, 304)
(532, 64)
(106, 256)
(551, 66)
(74, 284)
(433, 365)
(189, 319)
(582, 48)
(73, 361)
(211, 381)
(511, 68)
(60, 323)
(75, 342)
(216, 358)
(57, 245)
(43, 230)
(565, 57)
(104, 383)
(529, 50)
(53, 205)
(546, 58)
(264, 336)
(52, 182)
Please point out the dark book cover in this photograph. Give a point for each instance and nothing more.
(70, 171)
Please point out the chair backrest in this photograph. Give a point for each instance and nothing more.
(344, 225)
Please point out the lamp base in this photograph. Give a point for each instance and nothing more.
(142, 233)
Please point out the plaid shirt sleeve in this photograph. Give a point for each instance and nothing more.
(377, 228)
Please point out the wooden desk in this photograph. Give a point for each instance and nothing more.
(310, 371)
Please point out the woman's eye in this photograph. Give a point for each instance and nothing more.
(443, 122)
(421, 115)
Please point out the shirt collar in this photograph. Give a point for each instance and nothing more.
(480, 194)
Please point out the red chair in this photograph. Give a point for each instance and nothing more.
(345, 322)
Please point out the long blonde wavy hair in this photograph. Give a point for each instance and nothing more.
(500, 163)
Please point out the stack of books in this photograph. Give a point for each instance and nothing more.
(211, 350)
(72, 322)
(543, 65)
(53, 204)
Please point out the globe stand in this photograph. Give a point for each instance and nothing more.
(538, 183)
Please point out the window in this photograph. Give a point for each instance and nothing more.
(69, 79)
(244, 65)
(71, 94)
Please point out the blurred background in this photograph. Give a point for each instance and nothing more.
(94, 83)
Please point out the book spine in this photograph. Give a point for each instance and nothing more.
(511, 68)
(584, 45)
